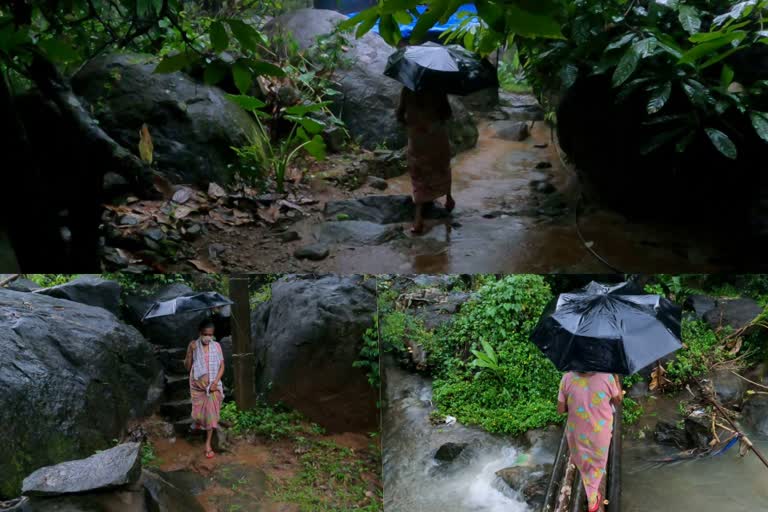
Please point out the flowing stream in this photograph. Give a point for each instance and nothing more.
(415, 482)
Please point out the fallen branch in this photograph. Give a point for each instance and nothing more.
(750, 381)
(746, 440)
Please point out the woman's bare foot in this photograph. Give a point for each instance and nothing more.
(450, 204)
(417, 228)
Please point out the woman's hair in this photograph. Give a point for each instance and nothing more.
(206, 324)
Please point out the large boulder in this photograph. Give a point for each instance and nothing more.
(193, 126)
(108, 469)
(368, 98)
(735, 313)
(755, 412)
(72, 375)
(90, 290)
(306, 339)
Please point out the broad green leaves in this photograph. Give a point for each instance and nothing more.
(689, 19)
(722, 142)
(626, 66)
(760, 123)
(174, 63)
(219, 37)
(659, 96)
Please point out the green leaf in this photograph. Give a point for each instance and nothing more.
(760, 123)
(242, 76)
(659, 97)
(215, 72)
(726, 76)
(568, 75)
(389, 30)
(718, 58)
(428, 19)
(704, 49)
(722, 142)
(219, 37)
(300, 110)
(645, 47)
(402, 17)
(173, 63)
(246, 102)
(689, 19)
(366, 25)
(266, 69)
(626, 66)
(529, 24)
(316, 147)
(246, 35)
(361, 17)
(626, 39)
(58, 50)
(737, 11)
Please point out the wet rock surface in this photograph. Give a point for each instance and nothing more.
(90, 290)
(356, 232)
(86, 372)
(306, 339)
(108, 469)
(386, 209)
(193, 126)
(735, 313)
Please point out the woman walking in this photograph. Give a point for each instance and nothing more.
(205, 362)
(429, 149)
(588, 399)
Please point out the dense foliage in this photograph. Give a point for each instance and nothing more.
(650, 51)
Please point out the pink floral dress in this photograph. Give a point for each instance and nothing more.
(590, 424)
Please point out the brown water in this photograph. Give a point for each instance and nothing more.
(495, 177)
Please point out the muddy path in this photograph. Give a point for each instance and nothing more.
(516, 212)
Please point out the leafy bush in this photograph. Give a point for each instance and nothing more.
(520, 392)
(631, 411)
(702, 350)
(48, 280)
(273, 422)
(369, 355)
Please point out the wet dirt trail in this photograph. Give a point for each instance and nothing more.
(515, 212)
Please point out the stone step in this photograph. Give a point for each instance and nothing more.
(176, 387)
(183, 427)
(177, 409)
(172, 359)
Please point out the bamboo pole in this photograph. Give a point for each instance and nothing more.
(558, 471)
(566, 489)
(724, 414)
(614, 464)
(9, 280)
(578, 494)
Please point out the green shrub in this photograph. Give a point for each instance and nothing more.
(274, 422)
(702, 349)
(520, 392)
(631, 411)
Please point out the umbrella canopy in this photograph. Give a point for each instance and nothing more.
(608, 328)
(432, 67)
(188, 304)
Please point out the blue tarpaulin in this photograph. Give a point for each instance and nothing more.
(452, 22)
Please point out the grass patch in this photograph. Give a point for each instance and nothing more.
(332, 478)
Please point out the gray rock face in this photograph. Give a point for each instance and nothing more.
(700, 305)
(449, 451)
(193, 126)
(111, 468)
(314, 252)
(729, 387)
(356, 232)
(306, 339)
(90, 290)
(85, 372)
(755, 412)
(369, 99)
(385, 209)
(735, 313)
(164, 496)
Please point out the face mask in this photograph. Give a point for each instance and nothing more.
(207, 339)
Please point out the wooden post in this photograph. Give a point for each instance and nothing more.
(558, 472)
(242, 354)
(578, 494)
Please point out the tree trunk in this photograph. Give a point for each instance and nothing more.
(242, 353)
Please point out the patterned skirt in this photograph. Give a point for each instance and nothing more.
(206, 409)
(429, 161)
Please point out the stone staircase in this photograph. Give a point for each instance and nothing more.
(177, 406)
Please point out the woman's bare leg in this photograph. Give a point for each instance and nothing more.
(418, 221)
(208, 438)
(450, 204)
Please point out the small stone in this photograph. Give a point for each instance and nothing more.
(377, 183)
(545, 187)
(215, 249)
(155, 234)
(194, 229)
(290, 236)
(314, 252)
(129, 220)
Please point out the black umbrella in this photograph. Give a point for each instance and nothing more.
(432, 67)
(608, 328)
(187, 304)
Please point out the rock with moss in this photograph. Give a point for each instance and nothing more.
(72, 377)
